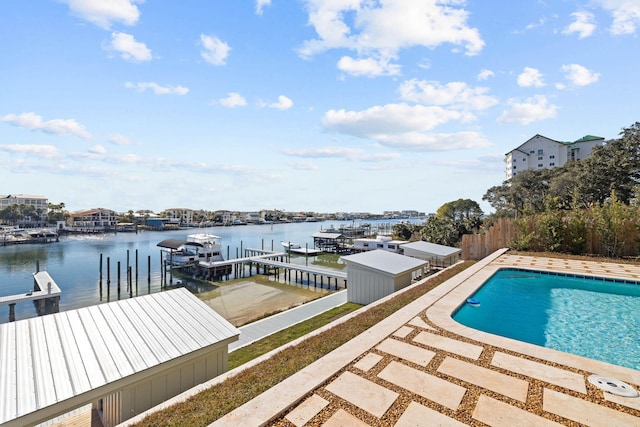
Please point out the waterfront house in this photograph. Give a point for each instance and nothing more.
(540, 152)
(252, 217)
(94, 219)
(375, 274)
(184, 216)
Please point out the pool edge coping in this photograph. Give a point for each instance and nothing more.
(440, 314)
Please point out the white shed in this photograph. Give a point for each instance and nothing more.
(438, 255)
(375, 274)
(123, 357)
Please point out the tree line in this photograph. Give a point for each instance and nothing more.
(22, 214)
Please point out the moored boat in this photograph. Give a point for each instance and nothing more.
(198, 247)
(290, 245)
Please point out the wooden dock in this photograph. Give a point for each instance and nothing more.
(45, 295)
(268, 262)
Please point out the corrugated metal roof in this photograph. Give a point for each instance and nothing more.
(324, 235)
(50, 359)
(432, 248)
(384, 261)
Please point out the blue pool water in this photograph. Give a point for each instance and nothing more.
(586, 316)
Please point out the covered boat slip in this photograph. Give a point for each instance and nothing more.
(124, 357)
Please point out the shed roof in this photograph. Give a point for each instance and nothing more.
(57, 362)
(323, 235)
(432, 248)
(384, 261)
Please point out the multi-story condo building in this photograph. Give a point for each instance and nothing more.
(541, 152)
(39, 203)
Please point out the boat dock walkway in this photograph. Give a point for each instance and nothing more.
(46, 295)
(270, 325)
(266, 260)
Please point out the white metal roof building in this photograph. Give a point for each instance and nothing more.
(375, 274)
(432, 252)
(124, 357)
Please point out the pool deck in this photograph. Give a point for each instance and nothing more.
(420, 368)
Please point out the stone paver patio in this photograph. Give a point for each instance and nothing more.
(418, 367)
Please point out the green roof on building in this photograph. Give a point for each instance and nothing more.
(589, 138)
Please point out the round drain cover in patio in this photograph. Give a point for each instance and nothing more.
(613, 386)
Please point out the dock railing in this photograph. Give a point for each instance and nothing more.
(45, 296)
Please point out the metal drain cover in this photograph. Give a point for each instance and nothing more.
(613, 386)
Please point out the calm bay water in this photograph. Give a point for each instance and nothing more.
(74, 261)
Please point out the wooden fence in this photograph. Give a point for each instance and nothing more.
(477, 246)
(503, 233)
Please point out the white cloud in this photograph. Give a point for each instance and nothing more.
(583, 24)
(352, 154)
(99, 153)
(485, 74)
(368, 67)
(104, 13)
(118, 139)
(283, 103)
(260, 5)
(390, 118)
(453, 93)
(215, 50)
(43, 151)
(531, 110)
(538, 24)
(404, 126)
(626, 15)
(579, 75)
(380, 29)
(98, 149)
(309, 166)
(128, 47)
(233, 100)
(422, 141)
(33, 121)
(157, 89)
(530, 77)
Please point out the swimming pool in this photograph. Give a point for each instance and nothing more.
(591, 317)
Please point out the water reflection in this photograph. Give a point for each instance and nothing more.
(74, 261)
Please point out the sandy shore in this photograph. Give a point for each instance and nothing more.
(248, 300)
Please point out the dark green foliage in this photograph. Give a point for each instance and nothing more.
(403, 231)
(575, 232)
(451, 221)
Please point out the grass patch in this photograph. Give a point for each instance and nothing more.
(211, 404)
(278, 339)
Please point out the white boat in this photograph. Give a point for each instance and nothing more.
(197, 247)
(297, 249)
(290, 245)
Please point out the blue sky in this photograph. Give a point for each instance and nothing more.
(301, 105)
